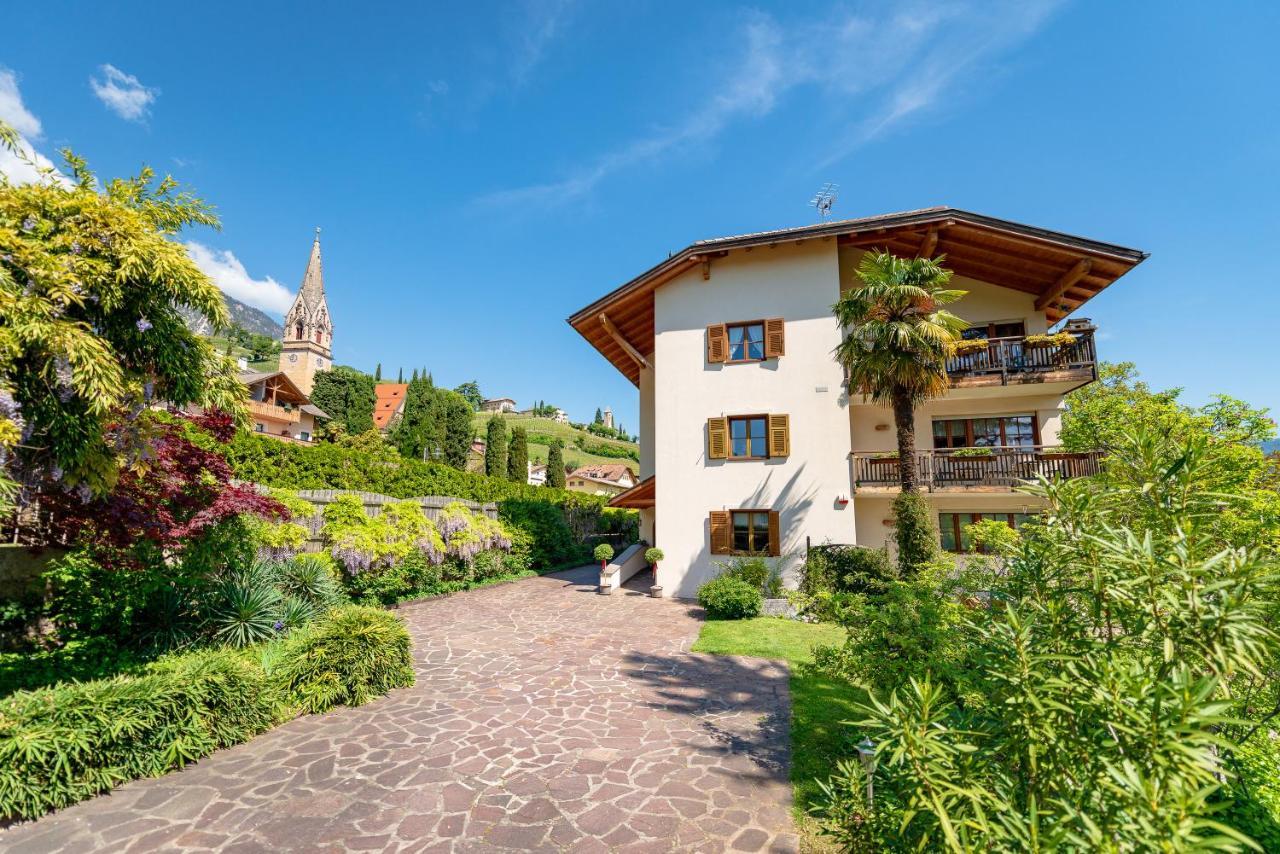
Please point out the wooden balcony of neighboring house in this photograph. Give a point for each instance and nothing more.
(996, 469)
(275, 412)
(1027, 360)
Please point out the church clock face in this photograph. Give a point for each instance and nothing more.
(319, 362)
(293, 357)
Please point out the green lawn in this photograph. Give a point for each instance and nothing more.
(818, 703)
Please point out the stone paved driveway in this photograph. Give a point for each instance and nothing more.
(545, 717)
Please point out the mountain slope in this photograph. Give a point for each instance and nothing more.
(542, 430)
(242, 315)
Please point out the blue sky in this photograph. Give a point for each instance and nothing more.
(479, 175)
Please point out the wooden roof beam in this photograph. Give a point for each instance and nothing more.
(928, 245)
(1069, 278)
(622, 342)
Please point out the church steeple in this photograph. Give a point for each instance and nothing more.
(308, 331)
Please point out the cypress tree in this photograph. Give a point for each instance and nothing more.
(400, 378)
(518, 456)
(599, 419)
(414, 378)
(495, 450)
(555, 465)
(377, 373)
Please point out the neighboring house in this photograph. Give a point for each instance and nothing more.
(601, 479)
(561, 417)
(278, 408)
(749, 441)
(308, 331)
(537, 475)
(388, 404)
(498, 404)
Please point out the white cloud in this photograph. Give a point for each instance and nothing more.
(34, 166)
(231, 277)
(538, 27)
(875, 72)
(122, 93)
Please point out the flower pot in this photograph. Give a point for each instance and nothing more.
(656, 591)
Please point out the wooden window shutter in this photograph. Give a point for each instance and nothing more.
(775, 338)
(721, 532)
(775, 540)
(779, 435)
(717, 438)
(717, 343)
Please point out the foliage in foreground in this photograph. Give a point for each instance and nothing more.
(1110, 675)
(92, 286)
(63, 744)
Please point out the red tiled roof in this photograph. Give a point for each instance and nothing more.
(388, 398)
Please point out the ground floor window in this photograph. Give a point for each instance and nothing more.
(951, 527)
(751, 531)
(261, 428)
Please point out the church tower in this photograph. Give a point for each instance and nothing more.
(308, 333)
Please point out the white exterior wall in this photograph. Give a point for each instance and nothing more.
(799, 284)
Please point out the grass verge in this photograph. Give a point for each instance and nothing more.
(818, 702)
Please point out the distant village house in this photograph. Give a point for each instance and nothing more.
(498, 404)
(601, 479)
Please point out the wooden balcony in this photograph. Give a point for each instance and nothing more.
(1008, 361)
(275, 412)
(959, 470)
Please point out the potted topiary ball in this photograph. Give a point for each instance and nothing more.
(604, 554)
(654, 555)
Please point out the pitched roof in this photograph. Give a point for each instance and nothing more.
(251, 378)
(611, 472)
(388, 398)
(1063, 271)
(314, 410)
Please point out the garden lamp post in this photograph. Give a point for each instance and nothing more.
(867, 756)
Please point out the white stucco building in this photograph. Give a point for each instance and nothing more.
(749, 441)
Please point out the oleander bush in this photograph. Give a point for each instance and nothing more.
(65, 743)
(727, 598)
(352, 656)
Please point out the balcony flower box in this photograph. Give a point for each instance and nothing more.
(1059, 340)
(972, 346)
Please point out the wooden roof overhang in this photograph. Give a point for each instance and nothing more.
(1061, 270)
(639, 497)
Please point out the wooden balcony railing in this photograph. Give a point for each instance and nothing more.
(1002, 468)
(275, 412)
(1013, 361)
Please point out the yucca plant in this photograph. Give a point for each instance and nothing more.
(310, 577)
(245, 606)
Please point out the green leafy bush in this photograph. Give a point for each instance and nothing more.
(727, 598)
(352, 656)
(914, 532)
(1253, 799)
(757, 571)
(603, 552)
(846, 569)
(63, 744)
(1096, 697)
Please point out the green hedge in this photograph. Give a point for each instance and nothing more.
(69, 742)
(289, 465)
(357, 654)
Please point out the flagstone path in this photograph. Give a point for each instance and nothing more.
(545, 717)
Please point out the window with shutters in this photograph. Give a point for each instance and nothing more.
(748, 438)
(746, 341)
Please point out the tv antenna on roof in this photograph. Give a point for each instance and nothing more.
(825, 199)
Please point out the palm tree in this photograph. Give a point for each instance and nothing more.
(897, 340)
